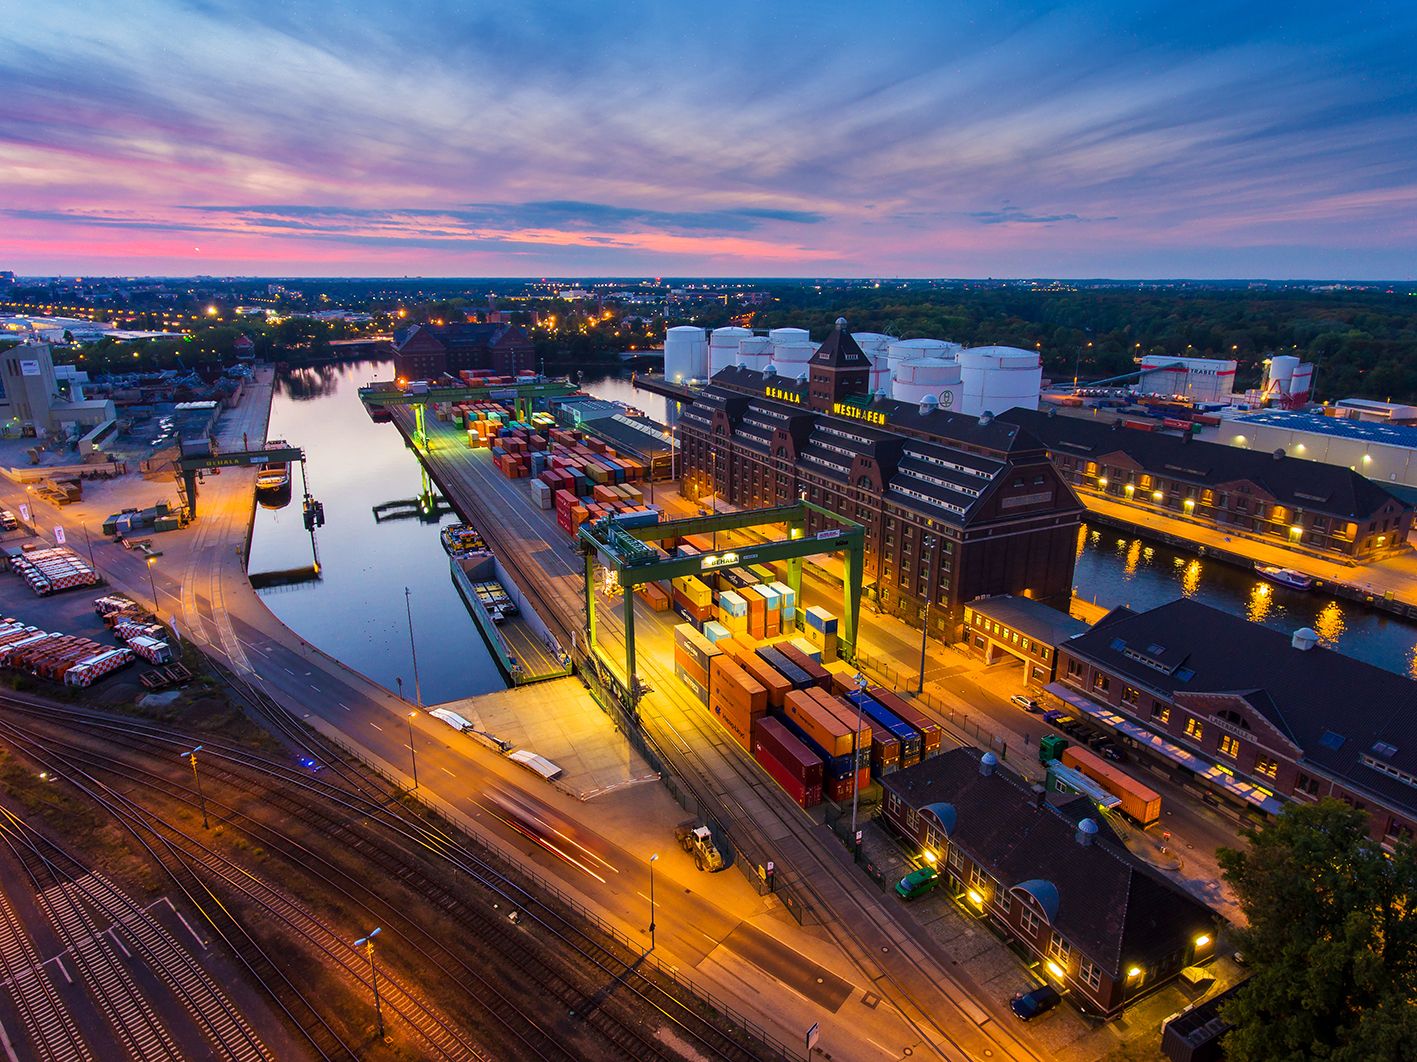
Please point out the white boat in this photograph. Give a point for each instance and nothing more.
(274, 475)
(1285, 576)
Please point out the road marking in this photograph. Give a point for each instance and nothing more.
(9, 1048)
(287, 670)
(114, 937)
(315, 688)
(342, 705)
(376, 726)
(449, 773)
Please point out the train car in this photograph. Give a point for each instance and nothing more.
(1139, 803)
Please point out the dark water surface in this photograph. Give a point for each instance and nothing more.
(1114, 568)
(356, 611)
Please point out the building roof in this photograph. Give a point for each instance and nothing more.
(459, 335)
(1108, 904)
(1350, 719)
(1308, 485)
(1368, 431)
(1038, 621)
(840, 350)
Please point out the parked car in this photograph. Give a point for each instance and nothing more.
(1114, 753)
(917, 883)
(1028, 704)
(1029, 1005)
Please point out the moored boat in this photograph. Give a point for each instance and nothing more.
(274, 476)
(1295, 580)
(462, 540)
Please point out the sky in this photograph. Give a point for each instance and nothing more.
(1273, 138)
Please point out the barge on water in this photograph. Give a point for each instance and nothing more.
(525, 648)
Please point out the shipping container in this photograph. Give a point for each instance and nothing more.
(1140, 803)
(929, 730)
(786, 668)
(848, 715)
(772, 680)
(737, 686)
(788, 749)
(819, 675)
(908, 737)
(806, 796)
(821, 725)
(654, 595)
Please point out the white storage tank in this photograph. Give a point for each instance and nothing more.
(1000, 378)
(754, 352)
(929, 376)
(899, 351)
(685, 354)
(783, 336)
(792, 358)
(875, 346)
(723, 347)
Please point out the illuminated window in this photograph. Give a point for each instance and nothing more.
(1028, 921)
(1229, 746)
(1101, 682)
(1060, 949)
(1194, 728)
(1130, 695)
(1091, 974)
(1267, 767)
(1160, 712)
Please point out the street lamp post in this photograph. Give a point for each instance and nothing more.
(412, 648)
(927, 556)
(197, 778)
(855, 764)
(412, 754)
(652, 860)
(152, 582)
(367, 943)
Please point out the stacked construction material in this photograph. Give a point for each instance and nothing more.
(49, 570)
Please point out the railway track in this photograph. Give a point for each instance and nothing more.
(334, 807)
(71, 895)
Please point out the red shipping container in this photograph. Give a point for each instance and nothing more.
(819, 675)
(806, 796)
(930, 730)
(788, 749)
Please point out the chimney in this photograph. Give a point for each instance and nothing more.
(987, 763)
(1087, 830)
(1304, 639)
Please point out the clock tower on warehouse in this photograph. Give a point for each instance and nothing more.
(839, 368)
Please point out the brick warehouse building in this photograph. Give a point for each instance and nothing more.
(955, 507)
(1045, 873)
(427, 351)
(1258, 717)
(1287, 501)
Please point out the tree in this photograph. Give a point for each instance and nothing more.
(1332, 937)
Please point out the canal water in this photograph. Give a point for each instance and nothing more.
(355, 612)
(1114, 568)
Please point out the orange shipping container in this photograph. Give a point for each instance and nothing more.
(736, 685)
(821, 725)
(846, 712)
(777, 686)
(692, 667)
(654, 595)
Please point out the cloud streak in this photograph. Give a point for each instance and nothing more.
(955, 138)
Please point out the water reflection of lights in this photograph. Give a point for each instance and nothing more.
(1329, 624)
(1191, 579)
(1129, 569)
(1412, 664)
(1260, 603)
(1082, 542)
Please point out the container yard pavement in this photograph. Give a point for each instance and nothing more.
(201, 584)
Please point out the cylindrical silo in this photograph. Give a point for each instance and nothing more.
(783, 336)
(685, 354)
(754, 352)
(899, 351)
(1000, 378)
(1281, 375)
(923, 376)
(875, 346)
(723, 347)
(792, 358)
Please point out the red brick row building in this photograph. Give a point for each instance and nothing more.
(427, 351)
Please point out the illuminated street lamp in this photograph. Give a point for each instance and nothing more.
(652, 861)
(412, 648)
(855, 765)
(412, 754)
(367, 943)
(201, 798)
(152, 582)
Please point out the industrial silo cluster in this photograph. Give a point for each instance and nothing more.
(968, 380)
